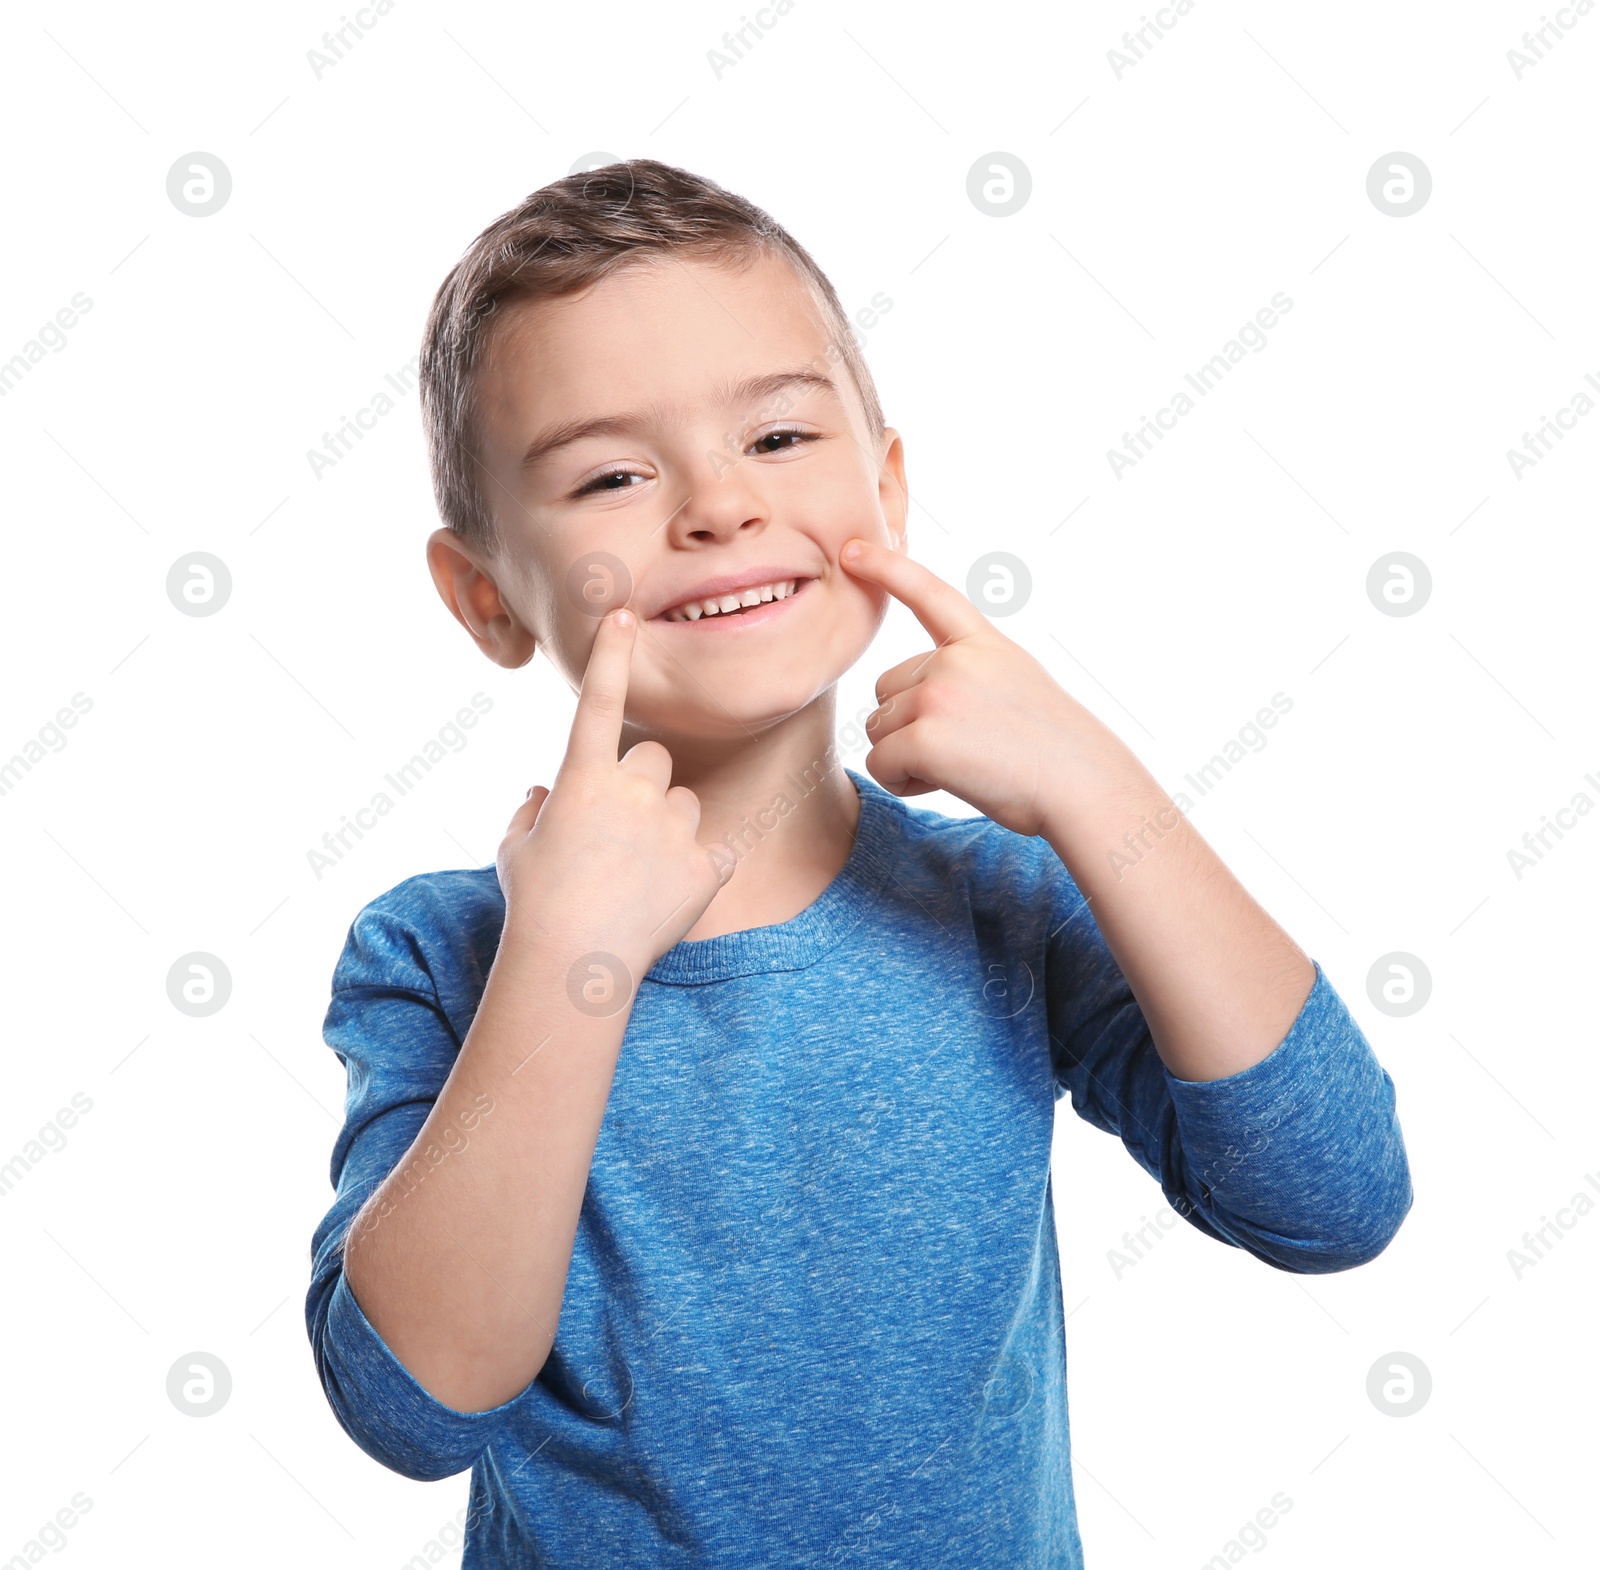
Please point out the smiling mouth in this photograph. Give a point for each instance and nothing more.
(759, 602)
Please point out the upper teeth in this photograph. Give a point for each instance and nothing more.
(718, 603)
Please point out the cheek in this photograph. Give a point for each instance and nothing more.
(862, 610)
(563, 634)
(839, 502)
(878, 599)
(565, 602)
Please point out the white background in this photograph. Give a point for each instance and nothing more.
(1167, 207)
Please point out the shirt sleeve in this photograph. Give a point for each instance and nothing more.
(1298, 1159)
(397, 1046)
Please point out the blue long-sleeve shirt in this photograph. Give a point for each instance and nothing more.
(814, 1310)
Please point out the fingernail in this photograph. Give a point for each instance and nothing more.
(624, 618)
(851, 550)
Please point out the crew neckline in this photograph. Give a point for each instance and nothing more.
(821, 927)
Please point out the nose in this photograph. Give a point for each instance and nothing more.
(721, 504)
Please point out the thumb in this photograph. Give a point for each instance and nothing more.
(527, 814)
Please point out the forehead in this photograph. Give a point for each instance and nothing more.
(656, 331)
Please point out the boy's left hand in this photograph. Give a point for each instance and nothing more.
(978, 716)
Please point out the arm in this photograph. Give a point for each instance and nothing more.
(1217, 979)
(446, 1285)
(459, 1260)
(1184, 1018)
(1298, 1159)
(412, 1123)
(1230, 1067)
(1221, 1053)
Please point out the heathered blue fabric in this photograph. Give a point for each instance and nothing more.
(814, 1313)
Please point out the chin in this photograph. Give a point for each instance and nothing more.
(712, 716)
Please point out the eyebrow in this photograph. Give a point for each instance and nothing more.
(752, 389)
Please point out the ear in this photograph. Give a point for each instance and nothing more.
(893, 497)
(468, 588)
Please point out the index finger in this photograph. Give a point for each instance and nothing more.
(941, 608)
(597, 724)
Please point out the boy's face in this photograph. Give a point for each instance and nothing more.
(694, 479)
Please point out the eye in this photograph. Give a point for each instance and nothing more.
(611, 481)
(600, 484)
(785, 431)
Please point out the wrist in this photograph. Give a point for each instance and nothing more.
(568, 951)
(1095, 783)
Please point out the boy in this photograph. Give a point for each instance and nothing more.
(694, 1187)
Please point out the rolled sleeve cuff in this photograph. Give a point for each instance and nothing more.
(383, 1408)
(1299, 1157)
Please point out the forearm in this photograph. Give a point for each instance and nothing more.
(460, 1257)
(1218, 980)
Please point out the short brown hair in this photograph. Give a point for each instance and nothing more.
(563, 237)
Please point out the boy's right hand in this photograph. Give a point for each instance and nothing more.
(607, 859)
